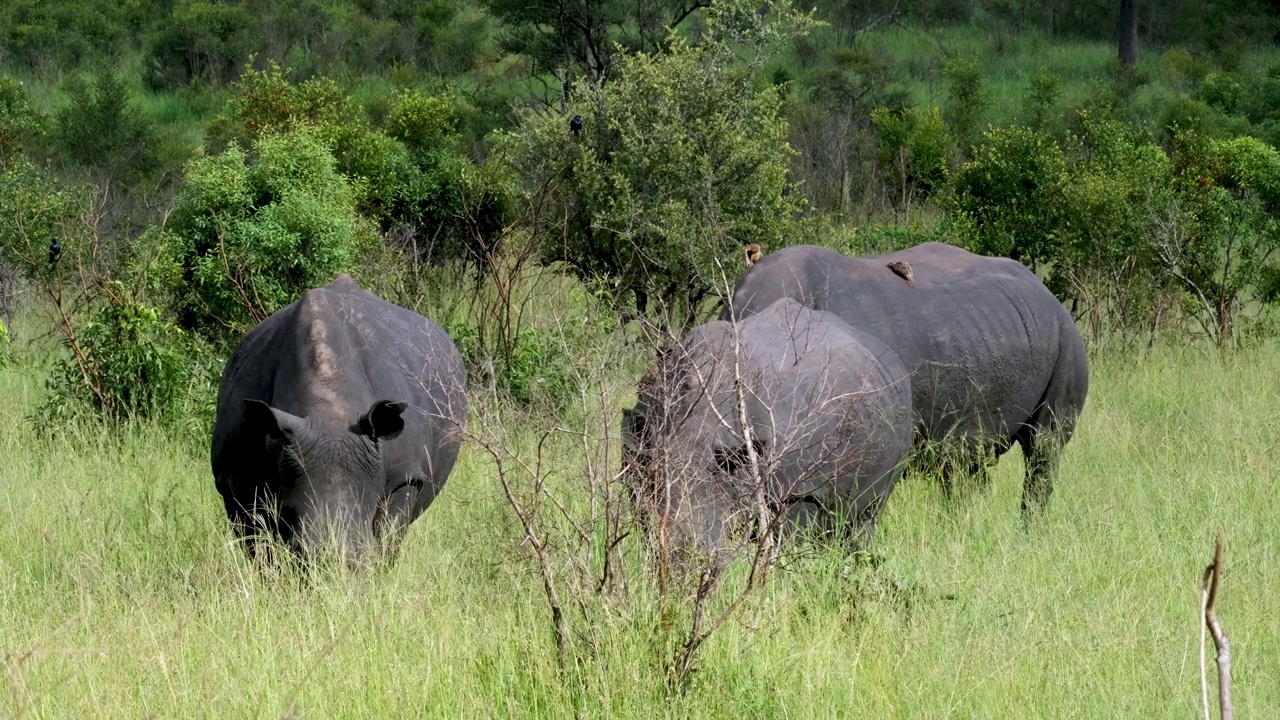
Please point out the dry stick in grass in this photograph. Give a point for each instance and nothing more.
(1208, 594)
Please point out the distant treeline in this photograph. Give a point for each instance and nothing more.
(186, 41)
(198, 40)
(1199, 25)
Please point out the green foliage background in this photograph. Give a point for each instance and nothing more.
(201, 164)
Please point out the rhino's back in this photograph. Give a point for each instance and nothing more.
(981, 336)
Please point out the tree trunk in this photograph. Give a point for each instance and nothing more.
(1129, 33)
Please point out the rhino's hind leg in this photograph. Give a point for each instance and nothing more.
(1042, 451)
(962, 469)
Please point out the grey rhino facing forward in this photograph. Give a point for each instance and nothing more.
(994, 357)
(828, 422)
(339, 419)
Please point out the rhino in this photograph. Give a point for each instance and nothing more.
(790, 414)
(339, 420)
(994, 357)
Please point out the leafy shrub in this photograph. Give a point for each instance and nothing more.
(682, 159)
(1260, 102)
(19, 121)
(537, 375)
(44, 34)
(34, 209)
(102, 127)
(265, 102)
(1227, 233)
(130, 363)
(1222, 91)
(1119, 183)
(1042, 94)
(422, 122)
(916, 151)
(252, 236)
(206, 41)
(1009, 196)
(968, 97)
(411, 178)
(1181, 69)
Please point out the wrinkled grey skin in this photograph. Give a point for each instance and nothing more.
(994, 357)
(339, 419)
(828, 409)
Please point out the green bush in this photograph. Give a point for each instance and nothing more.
(44, 34)
(1009, 196)
(205, 41)
(682, 159)
(264, 102)
(20, 123)
(422, 122)
(35, 208)
(1223, 256)
(1221, 91)
(1262, 100)
(968, 97)
(916, 151)
(103, 127)
(1042, 94)
(129, 363)
(414, 175)
(1181, 69)
(253, 235)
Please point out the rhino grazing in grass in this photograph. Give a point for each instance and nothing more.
(827, 413)
(994, 357)
(339, 419)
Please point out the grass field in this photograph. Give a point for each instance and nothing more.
(121, 597)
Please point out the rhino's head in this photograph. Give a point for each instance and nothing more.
(328, 489)
(684, 457)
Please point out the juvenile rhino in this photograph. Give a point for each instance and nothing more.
(994, 357)
(339, 419)
(828, 422)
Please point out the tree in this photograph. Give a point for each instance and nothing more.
(564, 38)
(1129, 33)
(251, 233)
(1009, 196)
(682, 160)
(1218, 241)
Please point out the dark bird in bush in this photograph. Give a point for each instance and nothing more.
(55, 252)
(575, 125)
(902, 269)
(754, 253)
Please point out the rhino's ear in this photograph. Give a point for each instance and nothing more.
(384, 420)
(261, 418)
(632, 428)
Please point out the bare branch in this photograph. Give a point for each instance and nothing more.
(1209, 595)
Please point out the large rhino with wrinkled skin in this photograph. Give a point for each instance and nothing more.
(339, 419)
(828, 422)
(994, 357)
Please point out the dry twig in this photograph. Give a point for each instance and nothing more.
(1209, 620)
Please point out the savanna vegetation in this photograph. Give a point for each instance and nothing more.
(171, 173)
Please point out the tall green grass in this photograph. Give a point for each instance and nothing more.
(120, 595)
